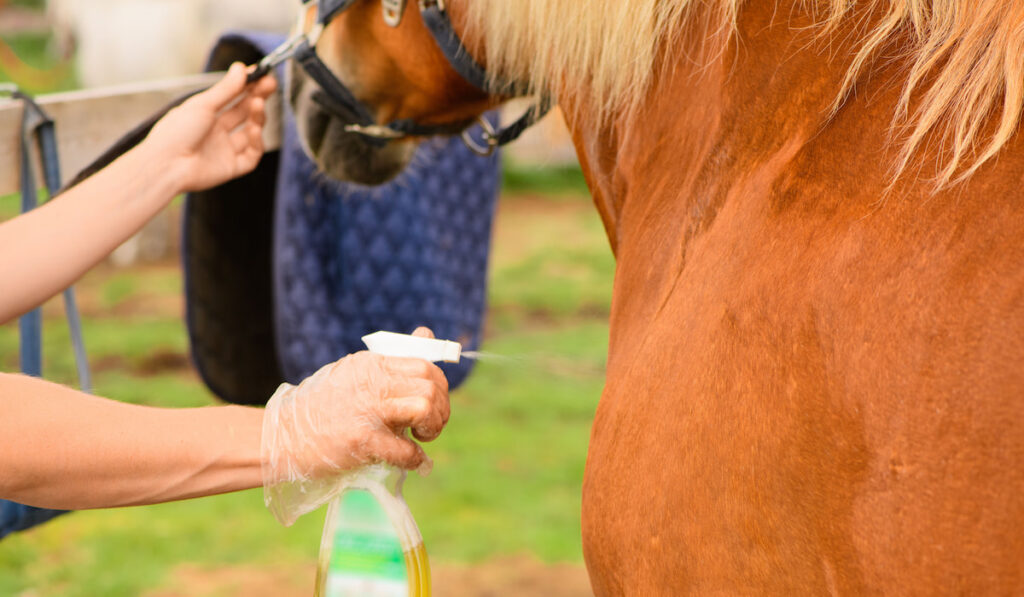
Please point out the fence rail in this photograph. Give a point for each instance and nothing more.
(89, 121)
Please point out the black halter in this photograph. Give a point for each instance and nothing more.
(338, 100)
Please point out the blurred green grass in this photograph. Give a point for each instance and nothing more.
(508, 469)
(550, 181)
(37, 4)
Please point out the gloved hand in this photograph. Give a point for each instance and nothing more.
(350, 413)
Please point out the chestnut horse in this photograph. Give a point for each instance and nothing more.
(815, 379)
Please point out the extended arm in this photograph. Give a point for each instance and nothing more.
(211, 138)
(60, 448)
(64, 449)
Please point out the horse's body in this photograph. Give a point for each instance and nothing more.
(814, 385)
(808, 390)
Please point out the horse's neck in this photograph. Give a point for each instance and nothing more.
(717, 137)
(706, 122)
(727, 149)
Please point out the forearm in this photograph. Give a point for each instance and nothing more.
(60, 448)
(47, 249)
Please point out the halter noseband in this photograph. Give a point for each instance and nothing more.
(337, 99)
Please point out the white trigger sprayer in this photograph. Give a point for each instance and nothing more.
(391, 344)
(371, 546)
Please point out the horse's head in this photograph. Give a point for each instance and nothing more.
(397, 72)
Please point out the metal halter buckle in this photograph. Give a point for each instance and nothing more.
(377, 131)
(393, 11)
(487, 133)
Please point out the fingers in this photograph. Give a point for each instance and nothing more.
(417, 413)
(225, 90)
(237, 114)
(252, 109)
(425, 409)
(247, 140)
(407, 367)
(241, 141)
(423, 332)
(255, 148)
(250, 137)
(264, 87)
(413, 393)
(258, 110)
(248, 146)
(397, 450)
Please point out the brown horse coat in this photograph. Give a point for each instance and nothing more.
(813, 387)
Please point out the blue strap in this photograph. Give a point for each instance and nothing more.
(344, 102)
(440, 26)
(38, 124)
(77, 341)
(16, 517)
(328, 9)
(50, 161)
(30, 325)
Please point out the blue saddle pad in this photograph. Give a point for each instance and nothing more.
(286, 270)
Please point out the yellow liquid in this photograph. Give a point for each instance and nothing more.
(321, 573)
(418, 565)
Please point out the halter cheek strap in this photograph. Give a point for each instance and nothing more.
(328, 9)
(440, 26)
(435, 17)
(306, 56)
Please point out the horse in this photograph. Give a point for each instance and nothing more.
(814, 381)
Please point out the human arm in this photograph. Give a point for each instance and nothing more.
(211, 138)
(64, 449)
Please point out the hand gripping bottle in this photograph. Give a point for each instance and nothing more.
(371, 546)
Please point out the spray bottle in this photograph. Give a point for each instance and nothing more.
(371, 546)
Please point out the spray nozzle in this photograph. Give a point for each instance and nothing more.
(404, 345)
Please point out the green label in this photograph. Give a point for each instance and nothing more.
(366, 552)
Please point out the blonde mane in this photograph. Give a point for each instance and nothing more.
(965, 82)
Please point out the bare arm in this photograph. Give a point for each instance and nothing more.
(47, 249)
(65, 449)
(211, 138)
(61, 448)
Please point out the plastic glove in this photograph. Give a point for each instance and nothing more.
(348, 414)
